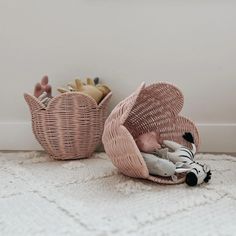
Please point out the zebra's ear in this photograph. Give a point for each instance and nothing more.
(206, 168)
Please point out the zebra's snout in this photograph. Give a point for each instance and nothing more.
(191, 179)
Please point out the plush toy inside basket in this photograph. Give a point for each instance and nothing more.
(69, 125)
(152, 108)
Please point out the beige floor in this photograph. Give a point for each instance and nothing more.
(90, 197)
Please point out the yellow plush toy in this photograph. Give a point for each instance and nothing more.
(92, 88)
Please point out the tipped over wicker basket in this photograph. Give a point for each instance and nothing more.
(71, 126)
(152, 108)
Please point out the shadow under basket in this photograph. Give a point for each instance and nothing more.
(70, 126)
(152, 108)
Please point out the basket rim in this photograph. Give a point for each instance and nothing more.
(73, 94)
(139, 91)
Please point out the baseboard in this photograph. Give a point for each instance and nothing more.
(17, 136)
(218, 137)
(214, 137)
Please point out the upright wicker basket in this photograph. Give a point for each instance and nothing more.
(71, 126)
(152, 108)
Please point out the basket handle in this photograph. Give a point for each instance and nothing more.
(33, 103)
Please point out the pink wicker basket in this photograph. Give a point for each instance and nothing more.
(152, 108)
(71, 126)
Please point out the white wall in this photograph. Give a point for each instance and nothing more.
(189, 43)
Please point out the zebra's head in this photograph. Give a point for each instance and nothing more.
(198, 174)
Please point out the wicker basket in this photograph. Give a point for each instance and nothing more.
(152, 108)
(71, 126)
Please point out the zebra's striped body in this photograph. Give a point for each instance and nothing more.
(180, 153)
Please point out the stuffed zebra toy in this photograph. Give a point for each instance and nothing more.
(184, 159)
(179, 160)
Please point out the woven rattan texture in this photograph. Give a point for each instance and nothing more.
(71, 126)
(152, 108)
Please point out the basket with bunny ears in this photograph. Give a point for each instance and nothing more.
(69, 125)
(154, 109)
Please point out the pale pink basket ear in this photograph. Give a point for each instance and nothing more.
(152, 108)
(71, 126)
(33, 103)
(156, 106)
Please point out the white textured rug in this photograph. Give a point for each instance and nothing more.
(89, 197)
